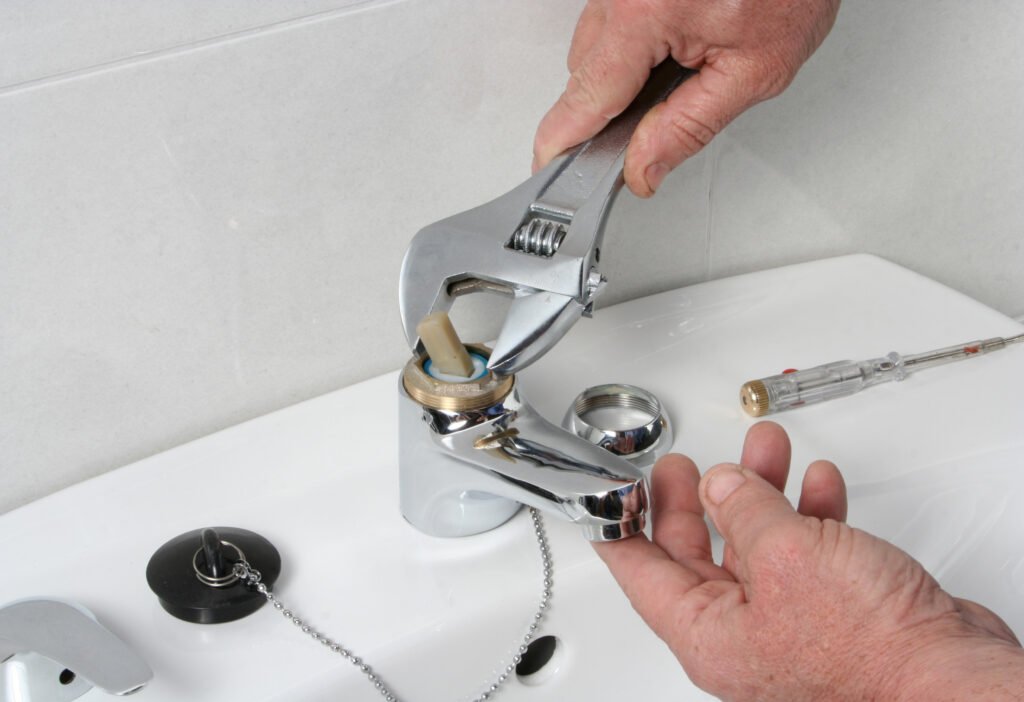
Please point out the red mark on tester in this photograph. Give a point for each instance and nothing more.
(788, 371)
(972, 349)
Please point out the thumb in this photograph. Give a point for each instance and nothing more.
(601, 86)
(685, 123)
(743, 506)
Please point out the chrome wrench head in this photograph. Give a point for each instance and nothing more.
(475, 251)
(539, 243)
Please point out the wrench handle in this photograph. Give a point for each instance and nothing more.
(588, 165)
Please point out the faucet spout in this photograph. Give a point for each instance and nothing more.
(467, 469)
(65, 637)
(546, 467)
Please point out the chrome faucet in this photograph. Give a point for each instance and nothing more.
(472, 452)
(52, 650)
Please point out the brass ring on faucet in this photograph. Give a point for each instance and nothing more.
(471, 395)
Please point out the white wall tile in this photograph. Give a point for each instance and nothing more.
(40, 39)
(902, 138)
(203, 238)
(214, 230)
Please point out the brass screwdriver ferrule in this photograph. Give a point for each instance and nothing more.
(754, 398)
(438, 394)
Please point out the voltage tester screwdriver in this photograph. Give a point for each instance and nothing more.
(796, 388)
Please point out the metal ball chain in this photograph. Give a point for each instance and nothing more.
(252, 578)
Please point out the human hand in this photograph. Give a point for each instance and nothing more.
(803, 606)
(746, 52)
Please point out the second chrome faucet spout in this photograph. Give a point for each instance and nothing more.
(472, 453)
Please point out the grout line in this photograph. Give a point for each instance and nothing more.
(352, 7)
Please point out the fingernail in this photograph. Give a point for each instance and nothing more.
(724, 483)
(656, 173)
(535, 166)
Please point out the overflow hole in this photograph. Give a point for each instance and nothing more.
(66, 677)
(540, 661)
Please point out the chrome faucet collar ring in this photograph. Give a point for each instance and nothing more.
(623, 419)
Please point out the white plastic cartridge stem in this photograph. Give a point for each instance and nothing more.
(447, 352)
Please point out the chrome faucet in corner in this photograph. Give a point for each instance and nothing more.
(472, 451)
(52, 650)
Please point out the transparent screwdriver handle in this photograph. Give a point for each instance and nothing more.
(806, 387)
(818, 384)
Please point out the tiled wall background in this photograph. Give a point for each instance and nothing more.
(203, 206)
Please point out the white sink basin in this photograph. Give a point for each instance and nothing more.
(935, 463)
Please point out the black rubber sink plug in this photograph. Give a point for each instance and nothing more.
(192, 574)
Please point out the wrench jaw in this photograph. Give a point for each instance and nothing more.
(550, 294)
(535, 322)
(471, 252)
(546, 303)
(423, 282)
(474, 252)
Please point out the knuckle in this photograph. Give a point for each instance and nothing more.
(689, 132)
(774, 82)
(769, 74)
(581, 94)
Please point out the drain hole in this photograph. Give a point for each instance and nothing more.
(66, 677)
(537, 655)
(540, 661)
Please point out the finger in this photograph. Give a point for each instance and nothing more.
(823, 493)
(588, 28)
(742, 505)
(684, 124)
(606, 81)
(677, 509)
(679, 526)
(730, 563)
(767, 452)
(656, 585)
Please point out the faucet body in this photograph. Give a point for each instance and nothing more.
(466, 469)
(469, 453)
(41, 638)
